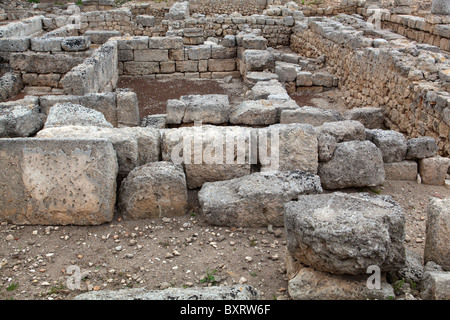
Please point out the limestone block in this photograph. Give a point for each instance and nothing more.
(57, 181)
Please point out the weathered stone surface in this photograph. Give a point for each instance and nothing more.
(434, 170)
(172, 43)
(307, 115)
(251, 78)
(437, 233)
(210, 108)
(326, 144)
(354, 164)
(75, 43)
(256, 199)
(14, 44)
(19, 120)
(413, 269)
(258, 60)
(268, 90)
(311, 284)
(221, 65)
(346, 233)
(179, 11)
(304, 79)
(440, 7)
(57, 181)
(435, 285)
(209, 153)
(152, 191)
(404, 170)
(254, 112)
(391, 143)
(127, 109)
(323, 79)
(420, 148)
(101, 36)
(103, 102)
(286, 71)
(43, 63)
(342, 131)
(10, 84)
(145, 20)
(238, 292)
(157, 121)
(370, 117)
(254, 42)
(288, 147)
(98, 73)
(151, 55)
(148, 141)
(69, 114)
(134, 146)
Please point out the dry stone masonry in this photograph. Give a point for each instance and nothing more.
(75, 149)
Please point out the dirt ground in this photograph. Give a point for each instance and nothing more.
(153, 94)
(161, 253)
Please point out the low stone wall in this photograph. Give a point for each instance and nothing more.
(431, 29)
(98, 73)
(244, 7)
(169, 56)
(371, 72)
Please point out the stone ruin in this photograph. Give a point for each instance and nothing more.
(74, 148)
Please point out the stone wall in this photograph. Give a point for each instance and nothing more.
(211, 7)
(98, 73)
(412, 88)
(169, 56)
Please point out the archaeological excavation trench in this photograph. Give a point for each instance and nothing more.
(248, 119)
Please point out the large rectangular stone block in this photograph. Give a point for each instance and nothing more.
(151, 55)
(57, 181)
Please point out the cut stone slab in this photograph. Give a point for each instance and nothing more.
(152, 191)
(285, 147)
(327, 144)
(420, 148)
(57, 181)
(128, 114)
(287, 72)
(254, 112)
(323, 79)
(311, 284)
(391, 143)
(19, 120)
(210, 153)
(404, 170)
(434, 170)
(435, 285)
(354, 164)
(134, 146)
(257, 60)
(370, 117)
(255, 200)
(437, 233)
(75, 43)
(440, 7)
(342, 131)
(179, 11)
(69, 114)
(210, 108)
(238, 292)
(251, 78)
(268, 90)
(157, 121)
(346, 233)
(307, 115)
